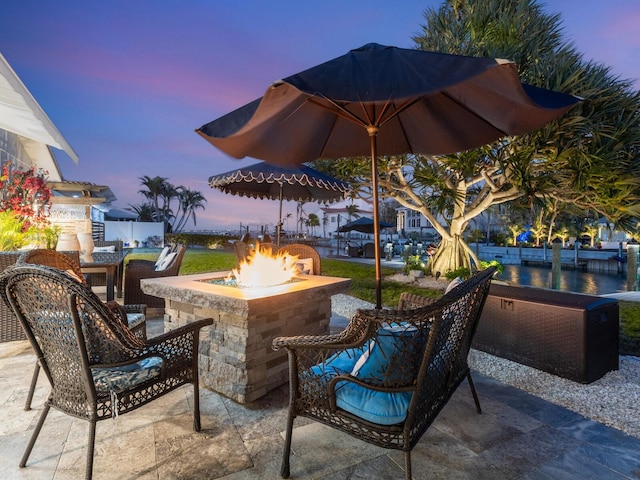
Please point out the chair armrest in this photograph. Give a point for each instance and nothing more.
(142, 264)
(136, 308)
(411, 300)
(178, 344)
(353, 335)
(178, 347)
(176, 332)
(140, 273)
(331, 385)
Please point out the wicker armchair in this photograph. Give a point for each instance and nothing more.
(69, 262)
(409, 301)
(304, 251)
(136, 270)
(10, 328)
(385, 378)
(97, 368)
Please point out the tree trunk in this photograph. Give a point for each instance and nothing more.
(453, 253)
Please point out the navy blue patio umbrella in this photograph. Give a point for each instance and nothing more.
(381, 100)
(262, 180)
(363, 225)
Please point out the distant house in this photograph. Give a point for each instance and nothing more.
(334, 216)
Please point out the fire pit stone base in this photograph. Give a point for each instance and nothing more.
(235, 354)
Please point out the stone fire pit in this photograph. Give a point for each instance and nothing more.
(236, 358)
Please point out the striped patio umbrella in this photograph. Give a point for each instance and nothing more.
(262, 180)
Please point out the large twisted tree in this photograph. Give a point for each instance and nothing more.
(588, 159)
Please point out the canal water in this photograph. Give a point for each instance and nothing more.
(571, 280)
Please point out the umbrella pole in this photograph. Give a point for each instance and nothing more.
(279, 226)
(373, 136)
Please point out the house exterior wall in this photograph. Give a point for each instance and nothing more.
(12, 151)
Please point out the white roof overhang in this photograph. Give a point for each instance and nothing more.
(21, 114)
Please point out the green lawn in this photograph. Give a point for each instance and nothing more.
(363, 286)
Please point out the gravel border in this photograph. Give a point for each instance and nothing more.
(613, 400)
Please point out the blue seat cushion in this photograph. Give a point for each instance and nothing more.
(377, 407)
(340, 363)
(393, 358)
(117, 379)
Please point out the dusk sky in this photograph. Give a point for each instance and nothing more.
(128, 82)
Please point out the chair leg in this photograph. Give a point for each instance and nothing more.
(34, 435)
(32, 387)
(196, 406)
(407, 465)
(473, 392)
(90, 449)
(285, 469)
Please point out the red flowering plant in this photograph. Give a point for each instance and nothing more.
(26, 193)
(25, 196)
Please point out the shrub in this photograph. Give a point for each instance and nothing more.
(462, 272)
(14, 231)
(414, 262)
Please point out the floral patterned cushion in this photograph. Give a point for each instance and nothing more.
(134, 319)
(116, 379)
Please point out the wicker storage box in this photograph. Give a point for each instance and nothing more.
(567, 334)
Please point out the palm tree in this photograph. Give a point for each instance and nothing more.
(313, 221)
(153, 192)
(161, 195)
(563, 233)
(168, 193)
(145, 212)
(538, 229)
(352, 211)
(515, 231)
(590, 231)
(300, 213)
(190, 201)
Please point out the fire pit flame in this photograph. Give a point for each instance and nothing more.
(263, 268)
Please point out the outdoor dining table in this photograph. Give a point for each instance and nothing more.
(110, 263)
